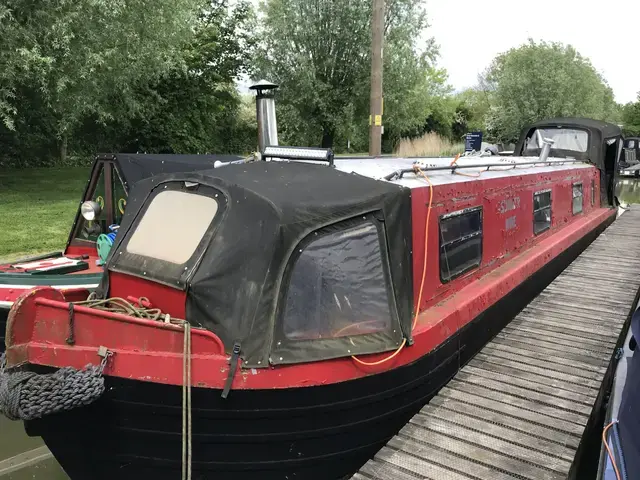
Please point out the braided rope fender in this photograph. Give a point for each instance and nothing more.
(27, 395)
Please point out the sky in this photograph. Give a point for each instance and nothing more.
(471, 33)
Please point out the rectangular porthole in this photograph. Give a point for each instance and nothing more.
(541, 211)
(460, 242)
(577, 198)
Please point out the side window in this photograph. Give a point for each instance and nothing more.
(577, 198)
(632, 144)
(460, 242)
(119, 196)
(91, 229)
(593, 192)
(338, 286)
(541, 211)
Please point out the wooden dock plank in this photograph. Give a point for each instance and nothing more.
(519, 408)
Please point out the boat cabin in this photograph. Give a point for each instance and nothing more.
(292, 262)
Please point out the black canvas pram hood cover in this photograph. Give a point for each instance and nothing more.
(237, 277)
(598, 132)
(136, 166)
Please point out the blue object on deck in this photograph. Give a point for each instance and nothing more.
(105, 242)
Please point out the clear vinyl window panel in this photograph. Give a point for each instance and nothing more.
(541, 211)
(173, 226)
(577, 198)
(338, 287)
(564, 139)
(460, 243)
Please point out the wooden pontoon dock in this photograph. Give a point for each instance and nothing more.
(527, 404)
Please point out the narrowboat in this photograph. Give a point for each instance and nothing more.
(283, 318)
(99, 213)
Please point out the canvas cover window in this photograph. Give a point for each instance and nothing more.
(337, 287)
(460, 243)
(541, 211)
(564, 139)
(577, 198)
(173, 226)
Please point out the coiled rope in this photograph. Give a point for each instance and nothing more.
(27, 395)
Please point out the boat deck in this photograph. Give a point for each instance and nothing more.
(520, 408)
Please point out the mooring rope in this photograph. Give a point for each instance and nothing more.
(27, 395)
(186, 404)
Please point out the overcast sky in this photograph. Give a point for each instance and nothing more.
(471, 33)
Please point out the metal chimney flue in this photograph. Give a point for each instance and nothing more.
(266, 113)
(546, 144)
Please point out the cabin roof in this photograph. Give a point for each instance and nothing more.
(378, 168)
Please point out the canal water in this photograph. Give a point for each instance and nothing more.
(13, 440)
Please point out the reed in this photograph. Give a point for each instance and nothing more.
(428, 145)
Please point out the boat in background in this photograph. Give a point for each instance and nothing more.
(284, 318)
(99, 213)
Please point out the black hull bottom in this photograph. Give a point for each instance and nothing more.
(315, 433)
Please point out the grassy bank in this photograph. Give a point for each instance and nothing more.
(37, 208)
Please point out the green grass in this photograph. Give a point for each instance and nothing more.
(37, 208)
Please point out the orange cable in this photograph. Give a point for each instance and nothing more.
(606, 445)
(424, 275)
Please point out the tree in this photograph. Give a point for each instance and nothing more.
(196, 108)
(543, 80)
(318, 51)
(631, 117)
(86, 58)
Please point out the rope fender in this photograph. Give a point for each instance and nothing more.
(28, 395)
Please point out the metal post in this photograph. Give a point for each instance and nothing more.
(375, 119)
(266, 114)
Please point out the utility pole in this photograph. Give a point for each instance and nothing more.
(375, 107)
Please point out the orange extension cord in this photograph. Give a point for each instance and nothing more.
(424, 275)
(609, 452)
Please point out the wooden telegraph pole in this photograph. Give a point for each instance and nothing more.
(375, 107)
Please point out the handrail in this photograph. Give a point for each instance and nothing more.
(399, 173)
